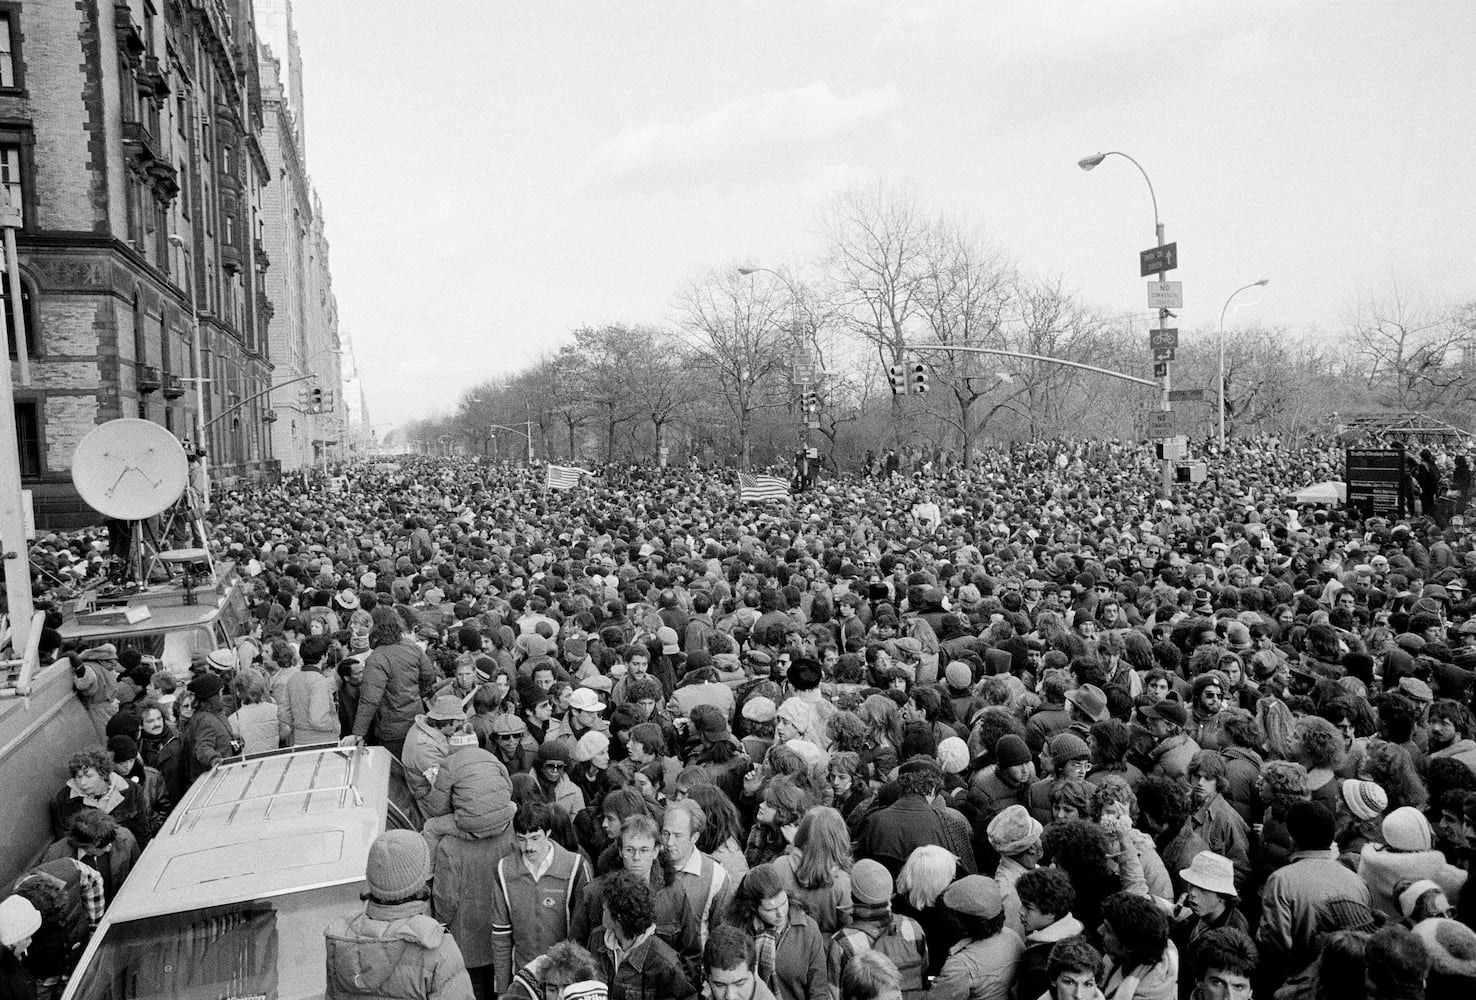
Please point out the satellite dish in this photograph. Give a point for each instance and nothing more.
(130, 469)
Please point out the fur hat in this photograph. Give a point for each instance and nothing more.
(1450, 944)
(1013, 830)
(399, 866)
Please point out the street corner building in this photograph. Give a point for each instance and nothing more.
(131, 141)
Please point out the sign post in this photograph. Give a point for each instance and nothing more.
(1375, 478)
(1163, 295)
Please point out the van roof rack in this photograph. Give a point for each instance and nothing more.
(234, 782)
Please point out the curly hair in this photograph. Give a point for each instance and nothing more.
(1114, 788)
(1389, 766)
(993, 723)
(627, 897)
(789, 799)
(1074, 954)
(1241, 729)
(1078, 847)
(1111, 741)
(847, 732)
(100, 761)
(1283, 782)
(1352, 709)
(1454, 712)
(1318, 743)
(1139, 925)
(1164, 800)
(1047, 890)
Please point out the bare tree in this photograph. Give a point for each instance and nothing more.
(879, 251)
(736, 329)
(1413, 352)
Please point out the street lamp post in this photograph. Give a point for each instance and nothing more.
(1254, 284)
(196, 359)
(1088, 163)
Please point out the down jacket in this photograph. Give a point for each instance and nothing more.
(472, 786)
(396, 677)
(394, 953)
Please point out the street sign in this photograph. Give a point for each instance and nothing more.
(1159, 259)
(1167, 337)
(1163, 354)
(1165, 295)
(1161, 424)
(1186, 395)
(1175, 448)
(1160, 369)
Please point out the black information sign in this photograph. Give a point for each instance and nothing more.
(1375, 479)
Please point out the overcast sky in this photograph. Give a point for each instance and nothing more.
(495, 174)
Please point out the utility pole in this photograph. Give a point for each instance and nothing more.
(14, 551)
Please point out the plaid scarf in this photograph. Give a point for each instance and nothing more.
(766, 947)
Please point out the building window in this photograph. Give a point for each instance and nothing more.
(11, 179)
(28, 314)
(28, 438)
(7, 50)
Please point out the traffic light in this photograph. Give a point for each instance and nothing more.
(897, 375)
(315, 400)
(919, 377)
(810, 401)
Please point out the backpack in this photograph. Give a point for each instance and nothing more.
(904, 955)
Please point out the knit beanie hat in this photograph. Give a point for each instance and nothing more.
(1364, 799)
(1451, 944)
(19, 919)
(871, 884)
(399, 866)
(1406, 829)
(953, 755)
(463, 738)
(1014, 830)
(1345, 915)
(556, 749)
(1068, 747)
(1010, 750)
(585, 989)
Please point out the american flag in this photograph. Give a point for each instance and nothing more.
(564, 477)
(758, 489)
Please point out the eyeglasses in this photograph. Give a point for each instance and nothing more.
(632, 851)
(552, 766)
(507, 736)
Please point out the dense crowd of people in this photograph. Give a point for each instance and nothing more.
(1017, 731)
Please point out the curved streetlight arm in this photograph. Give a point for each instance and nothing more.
(1157, 225)
(1220, 389)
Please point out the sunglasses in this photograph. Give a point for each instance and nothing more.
(550, 766)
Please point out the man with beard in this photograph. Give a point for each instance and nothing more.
(1450, 732)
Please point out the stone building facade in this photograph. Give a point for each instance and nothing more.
(130, 136)
(303, 329)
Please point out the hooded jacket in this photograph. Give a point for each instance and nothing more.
(394, 953)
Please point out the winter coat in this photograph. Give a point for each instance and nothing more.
(829, 904)
(675, 922)
(980, 969)
(892, 834)
(1462, 750)
(472, 786)
(206, 740)
(113, 865)
(394, 953)
(97, 686)
(800, 971)
(425, 748)
(462, 889)
(1382, 869)
(1030, 974)
(649, 971)
(1221, 827)
(1171, 757)
(1290, 901)
(255, 726)
(306, 713)
(396, 677)
(529, 917)
(166, 755)
(124, 802)
(1242, 769)
(1159, 981)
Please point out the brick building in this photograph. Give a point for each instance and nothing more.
(130, 136)
(304, 324)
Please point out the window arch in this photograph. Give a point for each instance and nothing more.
(28, 313)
